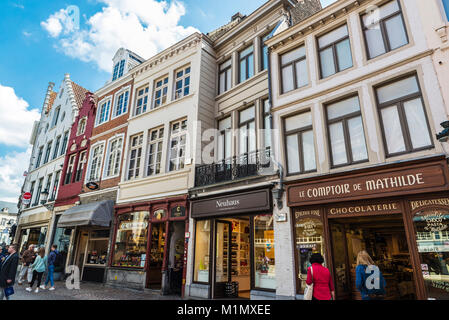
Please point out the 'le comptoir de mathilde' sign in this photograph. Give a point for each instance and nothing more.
(371, 185)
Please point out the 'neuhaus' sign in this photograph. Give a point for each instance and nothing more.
(383, 182)
(245, 202)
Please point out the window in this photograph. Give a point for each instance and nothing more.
(38, 192)
(300, 147)
(48, 184)
(446, 8)
(131, 240)
(63, 116)
(404, 120)
(55, 117)
(118, 70)
(202, 251)
(103, 112)
(114, 157)
(135, 153)
(247, 131)
(142, 100)
(160, 92)
(246, 64)
(178, 137)
(95, 163)
(346, 134)
(121, 68)
(81, 126)
(155, 142)
(115, 73)
(335, 52)
(267, 123)
(121, 103)
(81, 164)
(224, 139)
(264, 273)
(55, 186)
(264, 58)
(32, 193)
(182, 83)
(55, 151)
(64, 142)
(294, 69)
(224, 80)
(384, 29)
(39, 156)
(70, 168)
(47, 152)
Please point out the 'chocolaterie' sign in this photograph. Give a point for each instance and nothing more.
(384, 182)
(245, 202)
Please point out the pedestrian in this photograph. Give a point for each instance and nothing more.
(320, 277)
(371, 288)
(3, 253)
(51, 267)
(39, 266)
(28, 257)
(8, 272)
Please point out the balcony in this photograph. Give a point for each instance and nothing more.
(231, 169)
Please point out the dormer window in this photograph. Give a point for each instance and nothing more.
(118, 70)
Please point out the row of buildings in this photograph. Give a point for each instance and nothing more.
(233, 156)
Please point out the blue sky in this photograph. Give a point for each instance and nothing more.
(35, 50)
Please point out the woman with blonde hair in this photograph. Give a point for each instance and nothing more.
(369, 280)
(39, 266)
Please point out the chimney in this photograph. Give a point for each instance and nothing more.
(304, 9)
(238, 16)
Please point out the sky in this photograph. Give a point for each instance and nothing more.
(41, 40)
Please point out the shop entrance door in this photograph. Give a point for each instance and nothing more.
(156, 261)
(81, 250)
(176, 256)
(383, 237)
(222, 261)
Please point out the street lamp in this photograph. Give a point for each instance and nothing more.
(44, 197)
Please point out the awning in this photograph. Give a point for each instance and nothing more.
(91, 214)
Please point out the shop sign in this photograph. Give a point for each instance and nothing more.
(159, 214)
(92, 185)
(178, 211)
(431, 202)
(133, 225)
(26, 198)
(380, 208)
(414, 178)
(245, 202)
(307, 213)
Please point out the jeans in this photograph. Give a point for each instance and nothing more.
(51, 270)
(2, 295)
(25, 271)
(38, 276)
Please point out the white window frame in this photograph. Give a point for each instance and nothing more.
(183, 79)
(81, 121)
(91, 154)
(82, 163)
(138, 163)
(116, 99)
(70, 169)
(156, 89)
(137, 97)
(108, 155)
(177, 136)
(106, 100)
(156, 142)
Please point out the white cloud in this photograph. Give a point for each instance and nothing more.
(143, 26)
(26, 33)
(16, 120)
(12, 167)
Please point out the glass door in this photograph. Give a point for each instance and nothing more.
(340, 261)
(222, 257)
(157, 246)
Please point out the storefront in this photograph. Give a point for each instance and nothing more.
(398, 213)
(35, 235)
(233, 244)
(87, 228)
(149, 245)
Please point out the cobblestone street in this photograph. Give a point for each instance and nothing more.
(87, 291)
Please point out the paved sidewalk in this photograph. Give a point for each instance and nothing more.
(87, 291)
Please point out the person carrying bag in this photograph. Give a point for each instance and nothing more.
(319, 280)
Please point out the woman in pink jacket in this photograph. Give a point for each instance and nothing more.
(323, 286)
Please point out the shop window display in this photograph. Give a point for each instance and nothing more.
(202, 249)
(432, 236)
(97, 249)
(265, 276)
(62, 239)
(131, 240)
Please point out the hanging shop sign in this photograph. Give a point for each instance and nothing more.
(178, 211)
(426, 177)
(92, 185)
(245, 202)
(159, 214)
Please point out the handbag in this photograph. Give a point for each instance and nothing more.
(9, 291)
(308, 291)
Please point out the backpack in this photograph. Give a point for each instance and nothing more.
(374, 291)
(58, 260)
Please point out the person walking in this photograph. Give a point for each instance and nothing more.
(28, 257)
(8, 270)
(51, 267)
(364, 278)
(320, 276)
(39, 266)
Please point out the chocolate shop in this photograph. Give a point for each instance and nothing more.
(233, 246)
(398, 213)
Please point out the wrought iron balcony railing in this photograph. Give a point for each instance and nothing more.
(230, 169)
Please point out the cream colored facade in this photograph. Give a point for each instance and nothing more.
(416, 57)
